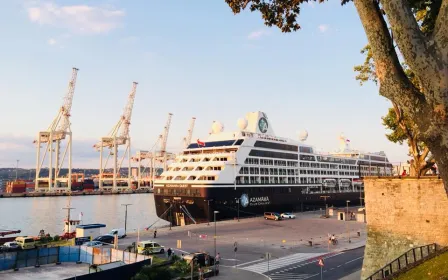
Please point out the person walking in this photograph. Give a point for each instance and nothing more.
(169, 252)
(155, 233)
(217, 259)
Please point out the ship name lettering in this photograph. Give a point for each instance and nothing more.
(177, 186)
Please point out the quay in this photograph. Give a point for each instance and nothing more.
(287, 241)
(75, 193)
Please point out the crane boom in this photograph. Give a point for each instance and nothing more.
(122, 124)
(68, 100)
(127, 114)
(187, 140)
(164, 138)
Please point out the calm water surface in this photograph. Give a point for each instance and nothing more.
(31, 214)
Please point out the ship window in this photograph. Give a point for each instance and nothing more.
(307, 157)
(269, 154)
(307, 150)
(275, 146)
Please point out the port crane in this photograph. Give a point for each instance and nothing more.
(118, 136)
(187, 139)
(58, 131)
(154, 156)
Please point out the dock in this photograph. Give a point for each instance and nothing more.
(75, 193)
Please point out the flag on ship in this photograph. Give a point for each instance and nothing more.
(200, 143)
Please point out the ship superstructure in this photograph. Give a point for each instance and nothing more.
(259, 171)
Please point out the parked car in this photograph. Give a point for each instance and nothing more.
(150, 246)
(272, 216)
(288, 215)
(118, 231)
(93, 244)
(10, 246)
(81, 240)
(200, 258)
(107, 238)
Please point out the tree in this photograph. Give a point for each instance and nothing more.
(425, 52)
(403, 129)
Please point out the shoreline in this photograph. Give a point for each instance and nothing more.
(79, 193)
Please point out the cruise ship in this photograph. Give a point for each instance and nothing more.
(251, 171)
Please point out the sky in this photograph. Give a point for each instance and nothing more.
(190, 58)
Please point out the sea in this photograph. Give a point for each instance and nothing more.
(32, 214)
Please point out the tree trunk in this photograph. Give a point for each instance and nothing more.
(428, 109)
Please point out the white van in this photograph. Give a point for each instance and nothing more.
(119, 231)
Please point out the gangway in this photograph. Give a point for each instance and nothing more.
(183, 208)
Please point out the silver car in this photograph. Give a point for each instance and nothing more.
(288, 215)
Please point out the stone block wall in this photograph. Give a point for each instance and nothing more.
(401, 214)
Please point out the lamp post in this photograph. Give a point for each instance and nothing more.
(208, 210)
(214, 215)
(171, 217)
(17, 168)
(348, 232)
(125, 215)
(238, 202)
(325, 199)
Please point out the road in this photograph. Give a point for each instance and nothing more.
(286, 241)
(335, 267)
(257, 236)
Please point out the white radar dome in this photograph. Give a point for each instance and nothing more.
(242, 124)
(303, 135)
(217, 127)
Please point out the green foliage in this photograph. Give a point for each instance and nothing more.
(56, 238)
(281, 13)
(153, 273)
(175, 258)
(182, 267)
(391, 122)
(284, 13)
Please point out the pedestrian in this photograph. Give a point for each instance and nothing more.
(155, 233)
(169, 252)
(217, 259)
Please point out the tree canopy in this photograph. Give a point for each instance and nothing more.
(416, 31)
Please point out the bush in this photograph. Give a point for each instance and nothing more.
(175, 258)
(56, 238)
(153, 273)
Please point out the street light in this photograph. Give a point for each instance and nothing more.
(125, 215)
(208, 210)
(17, 168)
(325, 198)
(348, 232)
(214, 215)
(238, 202)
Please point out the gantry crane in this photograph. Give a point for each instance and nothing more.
(117, 137)
(58, 131)
(163, 141)
(154, 156)
(187, 140)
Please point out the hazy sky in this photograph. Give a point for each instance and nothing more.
(191, 58)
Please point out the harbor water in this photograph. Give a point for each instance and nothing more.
(31, 214)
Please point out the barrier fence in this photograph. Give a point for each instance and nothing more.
(84, 254)
(411, 257)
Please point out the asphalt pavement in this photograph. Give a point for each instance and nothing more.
(287, 242)
(337, 266)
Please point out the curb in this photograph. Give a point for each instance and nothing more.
(353, 248)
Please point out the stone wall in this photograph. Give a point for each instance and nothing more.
(401, 214)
